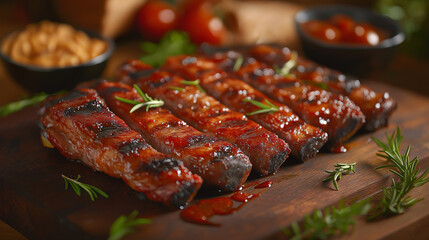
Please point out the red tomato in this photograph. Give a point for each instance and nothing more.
(344, 23)
(155, 18)
(201, 25)
(322, 30)
(364, 34)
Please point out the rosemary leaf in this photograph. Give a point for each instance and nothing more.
(176, 88)
(77, 186)
(194, 83)
(340, 169)
(288, 66)
(148, 102)
(335, 220)
(238, 63)
(124, 225)
(18, 105)
(395, 198)
(266, 107)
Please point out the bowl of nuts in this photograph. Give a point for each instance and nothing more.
(50, 57)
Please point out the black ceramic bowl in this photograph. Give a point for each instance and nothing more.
(50, 80)
(359, 60)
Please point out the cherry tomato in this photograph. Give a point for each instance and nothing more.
(364, 34)
(323, 31)
(344, 23)
(155, 18)
(200, 23)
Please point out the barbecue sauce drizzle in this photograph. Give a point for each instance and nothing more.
(201, 212)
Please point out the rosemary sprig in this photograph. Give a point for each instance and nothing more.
(395, 199)
(194, 83)
(265, 108)
(18, 105)
(340, 169)
(148, 101)
(124, 225)
(288, 66)
(332, 221)
(76, 185)
(238, 63)
(176, 88)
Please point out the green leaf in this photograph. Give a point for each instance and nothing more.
(265, 108)
(18, 105)
(173, 43)
(341, 169)
(148, 102)
(123, 225)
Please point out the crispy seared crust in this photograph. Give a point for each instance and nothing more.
(377, 107)
(218, 162)
(265, 149)
(81, 127)
(304, 139)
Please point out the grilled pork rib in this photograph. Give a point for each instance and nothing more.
(304, 140)
(81, 127)
(377, 107)
(335, 114)
(218, 162)
(266, 151)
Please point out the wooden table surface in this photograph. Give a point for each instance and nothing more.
(406, 72)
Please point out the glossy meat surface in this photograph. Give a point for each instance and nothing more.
(218, 162)
(335, 114)
(81, 127)
(377, 107)
(265, 149)
(304, 140)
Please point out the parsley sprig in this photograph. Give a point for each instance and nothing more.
(76, 186)
(395, 198)
(148, 102)
(266, 107)
(332, 221)
(340, 169)
(124, 225)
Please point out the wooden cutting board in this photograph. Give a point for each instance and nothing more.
(33, 199)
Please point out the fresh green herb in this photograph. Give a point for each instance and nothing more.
(340, 169)
(173, 43)
(238, 63)
(18, 105)
(124, 225)
(265, 108)
(330, 222)
(288, 66)
(76, 185)
(148, 101)
(176, 88)
(321, 85)
(194, 83)
(395, 199)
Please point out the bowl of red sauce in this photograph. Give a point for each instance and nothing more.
(350, 39)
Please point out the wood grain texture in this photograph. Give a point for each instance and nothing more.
(34, 202)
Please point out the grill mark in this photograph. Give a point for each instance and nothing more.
(286, 84)
(88, 108)
(234, 123)
(73, 94)
(111, 90)
(194, 141)
(132, 146)
(141, 74)
(108, 129)
(161, 165)
(161, 81)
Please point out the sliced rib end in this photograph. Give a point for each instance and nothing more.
(236, 173)
(311, 147)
